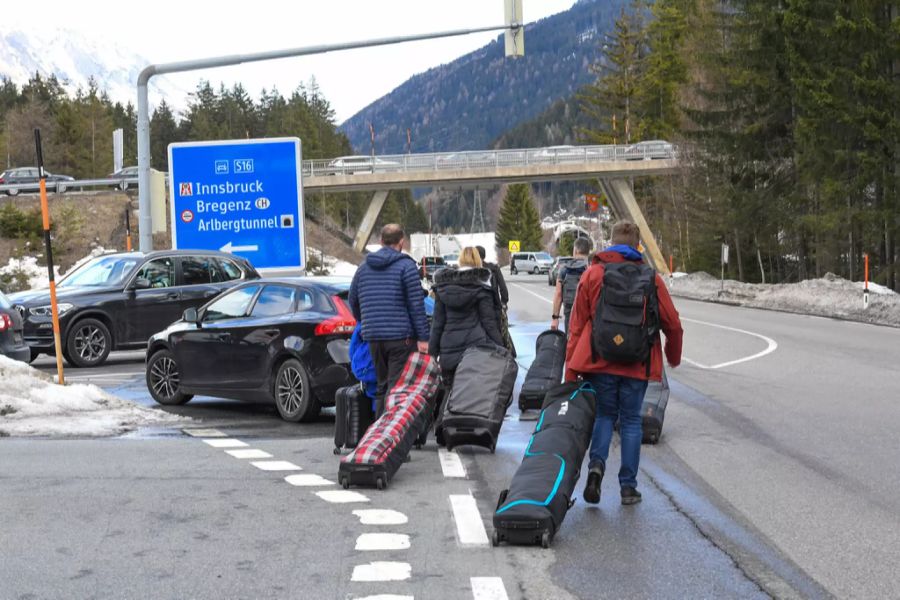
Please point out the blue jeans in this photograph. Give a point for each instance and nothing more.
(618, 398)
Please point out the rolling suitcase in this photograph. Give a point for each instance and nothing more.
(653, 411)
(352, 416)
(387, 442)
(546, 369)
(532, 510)
(481, 392)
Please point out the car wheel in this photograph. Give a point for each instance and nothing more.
(33, 356)
(60, 188)
(536, 271)
(88, 343)
(164, 379)
(12, 192)
(294, 398)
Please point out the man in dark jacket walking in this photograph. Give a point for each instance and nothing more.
(387, 298)
(501, 298)
(567, 281)
(619, 386)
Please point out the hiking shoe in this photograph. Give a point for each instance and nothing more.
(592, 489)
(630, 496)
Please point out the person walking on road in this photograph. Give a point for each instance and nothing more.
(567, 281)
(464, 312)
(387, 297)
(501, 298)
(614, 345)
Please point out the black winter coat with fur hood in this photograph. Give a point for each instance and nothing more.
(464, 314)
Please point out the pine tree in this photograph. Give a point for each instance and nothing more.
(163, 131)
(519, 220)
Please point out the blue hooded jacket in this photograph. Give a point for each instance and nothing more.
(386, 296)
(627, 252)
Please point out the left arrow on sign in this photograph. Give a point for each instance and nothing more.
(231, 248)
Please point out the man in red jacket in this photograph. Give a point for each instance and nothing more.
(619, 386)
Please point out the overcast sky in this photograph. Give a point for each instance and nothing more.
(170, 30)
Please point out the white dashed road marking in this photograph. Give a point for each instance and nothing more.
(451, 464)
(204, 433)
(276, 465)
(307, 480)
(226, 443)
(384, 597)
(368, 542)
(382, 571)
(375, 516)
(488, 588)
(342, 496)
(249, 453)
(469, 526)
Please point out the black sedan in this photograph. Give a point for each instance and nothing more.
(273, 340)
(12, 342)
(117, 301)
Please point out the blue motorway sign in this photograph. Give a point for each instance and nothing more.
(239, 196)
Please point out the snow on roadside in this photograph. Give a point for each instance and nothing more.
(27, 269)
(829, 296)
(339, 268)
(31, 404)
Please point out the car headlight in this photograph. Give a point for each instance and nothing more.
(46, 311)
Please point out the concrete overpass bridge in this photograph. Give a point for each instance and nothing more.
(613, 166)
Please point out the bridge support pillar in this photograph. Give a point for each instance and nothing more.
(625, 206)
(369, 220)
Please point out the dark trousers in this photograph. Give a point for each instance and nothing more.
(389, 357)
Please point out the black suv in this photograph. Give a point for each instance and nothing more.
(117, 301)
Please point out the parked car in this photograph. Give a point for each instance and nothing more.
(429, 265)
(117, 301)
(650, 150)
(12, 340)
(280, 340)
(123, 175)
(530, 262)
(559, 263)
(451, 260)
(31, 175)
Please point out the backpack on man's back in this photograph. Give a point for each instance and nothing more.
(627, 317)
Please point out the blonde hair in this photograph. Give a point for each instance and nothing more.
(469, 257)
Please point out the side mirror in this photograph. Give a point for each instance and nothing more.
(141, 283)
(191, 316)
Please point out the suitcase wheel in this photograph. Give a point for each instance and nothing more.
(380, 483)
(345, 483)
(545, 540)
(336, 450)
(502, 499)
(495, 538)
(418, 446)
(494, 448)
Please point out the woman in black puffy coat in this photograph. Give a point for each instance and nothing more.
(464, 312)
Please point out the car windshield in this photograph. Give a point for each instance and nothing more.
(102, 271)
(543, 256)
(433, 260)
(4, 302)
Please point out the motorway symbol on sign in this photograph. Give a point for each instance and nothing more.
(514, 245)
(240, 196)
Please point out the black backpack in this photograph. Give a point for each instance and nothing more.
(627, 318)
(570, 283)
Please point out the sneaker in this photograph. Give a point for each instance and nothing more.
(630, 496)
(592, 489)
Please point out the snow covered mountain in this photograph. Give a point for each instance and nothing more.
(74, 58)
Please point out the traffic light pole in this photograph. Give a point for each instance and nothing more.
(143, 104)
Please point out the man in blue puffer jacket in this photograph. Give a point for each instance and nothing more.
(386, 296)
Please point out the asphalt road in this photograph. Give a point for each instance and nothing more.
(764, 484)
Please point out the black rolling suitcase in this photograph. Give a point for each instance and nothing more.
(481, 392)
(387, 442)
(546, 369)
(653, 411)
(532, 510)
(352, 416)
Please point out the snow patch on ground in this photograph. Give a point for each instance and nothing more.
(26, 268)
(32, 404)
(338, 267)
(829, 296)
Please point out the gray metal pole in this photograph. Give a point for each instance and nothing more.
(143, 126)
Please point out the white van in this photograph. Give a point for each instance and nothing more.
(530, 262)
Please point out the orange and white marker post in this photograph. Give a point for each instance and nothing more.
(48, 248)
(866, 288)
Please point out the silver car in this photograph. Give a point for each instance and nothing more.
(530, 262)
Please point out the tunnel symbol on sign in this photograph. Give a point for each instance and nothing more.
(263, 203)
(287, 221)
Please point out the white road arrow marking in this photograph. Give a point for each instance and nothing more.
(230, 248)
